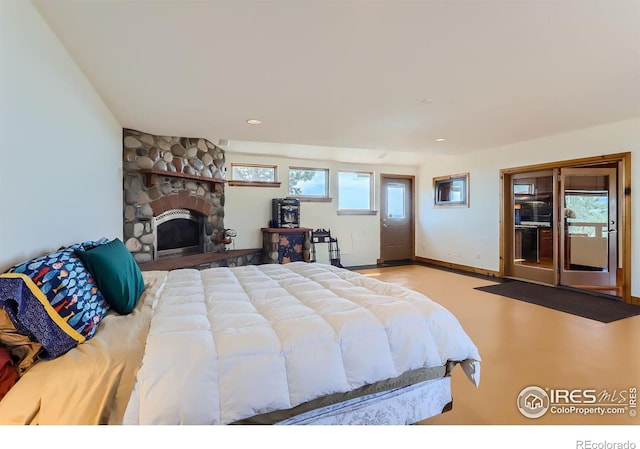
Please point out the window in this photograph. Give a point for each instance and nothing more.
(395, 201)
(451, 190)
(254, 175)
(523, 189)
(309, 184)
(355, 192)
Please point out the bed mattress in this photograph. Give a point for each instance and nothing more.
(267, 338)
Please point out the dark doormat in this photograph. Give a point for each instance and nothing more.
(589, 306)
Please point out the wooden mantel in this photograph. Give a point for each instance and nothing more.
(151, 176)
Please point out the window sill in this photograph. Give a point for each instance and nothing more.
(357, 212)
(311, 199)
(253, 184)
(445, 205)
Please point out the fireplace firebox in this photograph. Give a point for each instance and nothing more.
(178, 232)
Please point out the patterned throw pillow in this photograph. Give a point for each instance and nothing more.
(54, 300)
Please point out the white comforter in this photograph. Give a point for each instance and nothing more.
(228, 343)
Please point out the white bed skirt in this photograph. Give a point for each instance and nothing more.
(400, 406)
(406, 405)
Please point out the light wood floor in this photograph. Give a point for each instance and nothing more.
(522, 345)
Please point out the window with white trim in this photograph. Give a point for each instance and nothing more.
(355, 192)
(256, 175)
(309, 183)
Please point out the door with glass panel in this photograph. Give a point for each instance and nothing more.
(532, 241)
(396, 218)
(589, 225)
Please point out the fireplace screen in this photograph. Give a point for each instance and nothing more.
(178, 232)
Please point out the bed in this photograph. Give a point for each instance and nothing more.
(299, 343)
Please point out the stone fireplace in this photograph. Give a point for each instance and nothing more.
(173, 196)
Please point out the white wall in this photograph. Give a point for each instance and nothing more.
(460, 235)
(247, 209)
(60, 153)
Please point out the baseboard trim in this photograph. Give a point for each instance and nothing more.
(458, 267)
(635, 300)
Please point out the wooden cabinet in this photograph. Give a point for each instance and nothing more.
(284, 245)
(517, 248)
(545, 241)
(533, 245)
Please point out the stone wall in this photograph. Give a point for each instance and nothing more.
(233, 260)
(176, 156)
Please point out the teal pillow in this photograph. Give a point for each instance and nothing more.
(116, 274)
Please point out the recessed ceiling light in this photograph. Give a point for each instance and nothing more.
(254, 121)
(427, 101)
(440, 139)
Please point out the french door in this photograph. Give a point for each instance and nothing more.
(564, 227)
(588, 227)
(568, 223)
(533, 236)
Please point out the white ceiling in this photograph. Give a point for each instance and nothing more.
(330, 77)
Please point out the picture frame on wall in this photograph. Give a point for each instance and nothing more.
(451, 190)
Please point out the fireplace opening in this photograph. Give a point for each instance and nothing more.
(178, 232)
